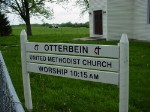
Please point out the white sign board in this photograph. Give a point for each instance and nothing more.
(74, 61)
(75, 73)
(74, 49)
(98, 63)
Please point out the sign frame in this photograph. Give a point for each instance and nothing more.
(122, 50)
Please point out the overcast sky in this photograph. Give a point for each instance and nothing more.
(61, 15)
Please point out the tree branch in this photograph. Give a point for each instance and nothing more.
(18, 8)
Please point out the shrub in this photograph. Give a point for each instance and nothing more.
(5, 28)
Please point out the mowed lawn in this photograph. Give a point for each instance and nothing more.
(56, 94)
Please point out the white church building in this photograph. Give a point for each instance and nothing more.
(110, 18)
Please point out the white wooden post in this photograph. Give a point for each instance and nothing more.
(25, 74)
(124, 74)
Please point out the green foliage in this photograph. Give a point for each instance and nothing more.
(38, 8)
(84, 5)
(26, 8)
(5, 28)
(69, 24)
(47, 25)
(56, 94)
(35, 7)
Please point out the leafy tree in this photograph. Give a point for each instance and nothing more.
(26, 8)
(83, 4)
(5, 28)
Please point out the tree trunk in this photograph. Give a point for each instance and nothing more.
(27, 19)
(28, 27)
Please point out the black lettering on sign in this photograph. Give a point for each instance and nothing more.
(91, 76)
(51, 70)
(76, 49)
(59, 48)
(70, 48)
(97, 50)
(52, 59)
(85, 49)
(46, 47)
(83, 74)
(32, 57)
(107, 64)
(103, 64)
(76, 61)
(36, 47)
(37, 58)
(66, 48)
(96, 76)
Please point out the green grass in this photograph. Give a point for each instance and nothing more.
(56, 94)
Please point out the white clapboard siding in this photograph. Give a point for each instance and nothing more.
(74, 61)
(141, 26)
(120, 18)
(105, 50)
(83, 74)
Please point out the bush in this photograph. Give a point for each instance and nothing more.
(5, 28)
(75, 25)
